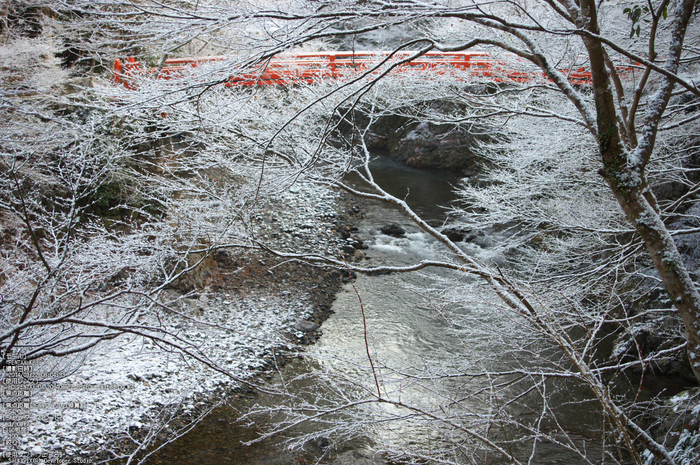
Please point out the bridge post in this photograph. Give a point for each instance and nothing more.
(332, 65)
(117, 71)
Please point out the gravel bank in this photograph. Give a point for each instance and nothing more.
(249, 313)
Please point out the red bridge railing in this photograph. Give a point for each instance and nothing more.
(311, 67)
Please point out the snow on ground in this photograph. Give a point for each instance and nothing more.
(126, 382)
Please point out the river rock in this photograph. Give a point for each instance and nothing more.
(425, 144)
(456, 234)
(348, 276)
(360, 244)
(306, 326)
(393, 230)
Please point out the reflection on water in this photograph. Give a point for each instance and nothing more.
(218, 440)
(426, 191)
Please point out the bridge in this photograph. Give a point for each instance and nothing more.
(310, 67)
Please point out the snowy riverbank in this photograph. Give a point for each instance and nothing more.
(130, 390)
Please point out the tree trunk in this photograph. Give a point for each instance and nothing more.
(623, 169)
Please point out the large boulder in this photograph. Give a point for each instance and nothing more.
(435, 146)
(421, 144)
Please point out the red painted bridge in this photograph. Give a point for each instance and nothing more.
(310, 67)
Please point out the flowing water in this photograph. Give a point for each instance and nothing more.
(406, 335)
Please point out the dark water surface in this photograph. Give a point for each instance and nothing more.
(427, 191)
(219, 438)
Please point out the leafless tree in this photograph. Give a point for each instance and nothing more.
(104, 213)
(273, 137)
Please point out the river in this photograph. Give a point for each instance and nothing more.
(413, 344)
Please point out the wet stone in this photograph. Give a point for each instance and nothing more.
(393, 230)
(306, 326)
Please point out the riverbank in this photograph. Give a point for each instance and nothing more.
(248, 313)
